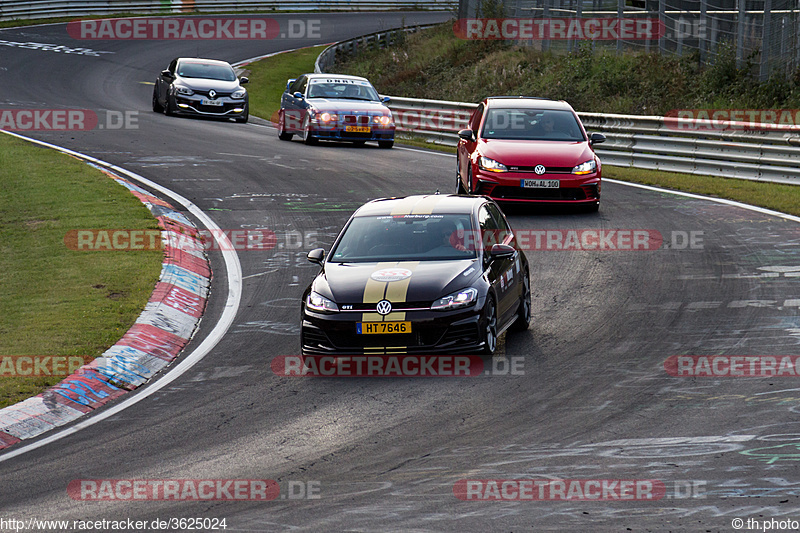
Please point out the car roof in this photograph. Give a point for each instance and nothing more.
(201, 60)
(421, 205)
(336, 76)
(527, 102)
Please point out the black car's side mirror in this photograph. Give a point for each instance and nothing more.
(597, 138)
(316, 255)
(166, 73)
(243, 80)
(466, 134)
(499, 251)
(298, 94)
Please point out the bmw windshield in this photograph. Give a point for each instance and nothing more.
(405, 238)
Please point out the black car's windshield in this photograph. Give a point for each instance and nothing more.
(531, 125)
(207, 71)
(405, 238)
(347, 89)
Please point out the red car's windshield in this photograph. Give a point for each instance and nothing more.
(531, 125)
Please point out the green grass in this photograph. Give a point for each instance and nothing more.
(435, 64)
(53, 300)
(268, 79)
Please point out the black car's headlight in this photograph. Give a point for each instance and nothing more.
(457, 300)
(318, 302)
(239, 94)
(491, 165)
(180, 89)
(586, 167)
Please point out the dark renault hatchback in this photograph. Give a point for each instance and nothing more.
(202, 87)
(437, 274)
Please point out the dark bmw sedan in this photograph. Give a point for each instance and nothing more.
(438, 274)
(203, 87)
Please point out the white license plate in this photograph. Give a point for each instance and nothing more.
(540, 184)
(206, 101)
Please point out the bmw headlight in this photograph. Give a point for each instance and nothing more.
(327, 117)
(239, 94)
(457, 300)
(180, 89)
(383, 120)
(318, 302)
(585, 168)
(491, 165)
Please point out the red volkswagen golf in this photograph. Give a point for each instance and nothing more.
(522, 149)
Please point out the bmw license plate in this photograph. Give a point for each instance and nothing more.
(540, 184)
(206, 101)
(382, 328)
(357, 129)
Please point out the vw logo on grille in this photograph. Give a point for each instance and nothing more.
(212, 93)
(539, 169)
(384, 307)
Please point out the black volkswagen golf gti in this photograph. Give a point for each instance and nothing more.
(436, 274)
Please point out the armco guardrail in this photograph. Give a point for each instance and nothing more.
(717, 148)
(713, 148)
(36, 9)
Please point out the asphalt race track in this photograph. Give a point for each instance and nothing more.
(590, 400)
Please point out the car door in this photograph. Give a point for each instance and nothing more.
(498, 271)
(293, 110)
(163, 83)
(466, 148)
(506, 269)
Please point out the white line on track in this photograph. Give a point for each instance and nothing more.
(234, 273)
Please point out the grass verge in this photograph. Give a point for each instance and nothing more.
(56, 301)
(268, 79)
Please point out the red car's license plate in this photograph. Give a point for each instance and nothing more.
(545, 184)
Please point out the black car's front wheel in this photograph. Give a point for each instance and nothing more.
(489, 327)
(524, 310)
(156, 106)
(169, 107)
